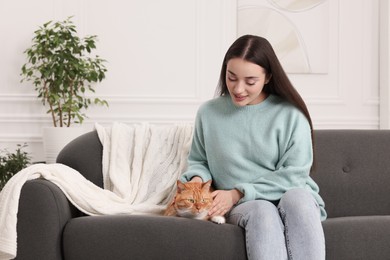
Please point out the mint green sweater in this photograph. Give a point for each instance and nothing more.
(262, 150)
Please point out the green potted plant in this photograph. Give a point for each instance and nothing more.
(62, 69)
(12, 163)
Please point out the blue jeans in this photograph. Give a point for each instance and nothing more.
(289, 229)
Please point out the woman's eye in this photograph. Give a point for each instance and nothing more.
(231, 79)
(251, 83)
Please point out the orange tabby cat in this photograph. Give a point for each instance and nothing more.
(193, 200)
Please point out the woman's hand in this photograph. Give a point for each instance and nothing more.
(224, 200)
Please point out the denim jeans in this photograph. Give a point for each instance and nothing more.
(289, 229)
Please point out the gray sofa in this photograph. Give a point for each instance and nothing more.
(352, 170)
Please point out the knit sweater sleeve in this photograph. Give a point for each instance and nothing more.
(291, 171)
(197, 159)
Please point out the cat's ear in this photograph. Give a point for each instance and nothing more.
(206, 185)
(180, 186)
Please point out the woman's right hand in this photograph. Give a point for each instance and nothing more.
(224, 200)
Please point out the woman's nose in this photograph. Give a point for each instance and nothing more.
(239, 87)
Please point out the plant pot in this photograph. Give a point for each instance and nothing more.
(55, 138)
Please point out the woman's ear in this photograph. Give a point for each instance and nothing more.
(268, 78)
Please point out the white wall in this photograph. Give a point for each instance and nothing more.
(384, 63)
(348, 96)
(164, 59)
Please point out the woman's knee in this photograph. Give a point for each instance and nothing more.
(260, 208)
(298, 201)
(256, 210)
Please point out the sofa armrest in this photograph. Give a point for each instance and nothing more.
(43, 212)
(84, 154)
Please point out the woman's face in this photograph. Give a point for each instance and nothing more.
(245, 82)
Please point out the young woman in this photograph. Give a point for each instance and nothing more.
(255, 142)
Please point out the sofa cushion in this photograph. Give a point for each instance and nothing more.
(151, 237)
(357, 238)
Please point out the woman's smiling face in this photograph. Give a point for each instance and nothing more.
(245, 82)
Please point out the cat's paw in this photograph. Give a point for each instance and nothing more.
(218, 219)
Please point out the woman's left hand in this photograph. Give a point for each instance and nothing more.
(224, 200)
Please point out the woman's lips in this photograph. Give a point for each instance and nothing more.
(239, 98)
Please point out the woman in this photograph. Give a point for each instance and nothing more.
(255, 143)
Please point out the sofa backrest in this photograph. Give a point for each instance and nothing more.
(352, 168)
(353, 171)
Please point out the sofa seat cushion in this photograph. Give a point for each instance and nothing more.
(151, 237)
(365, 237)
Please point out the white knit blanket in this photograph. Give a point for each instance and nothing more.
(141, 164)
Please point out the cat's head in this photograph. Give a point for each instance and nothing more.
(193, 199)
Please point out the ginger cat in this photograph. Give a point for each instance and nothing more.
(193, 200)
